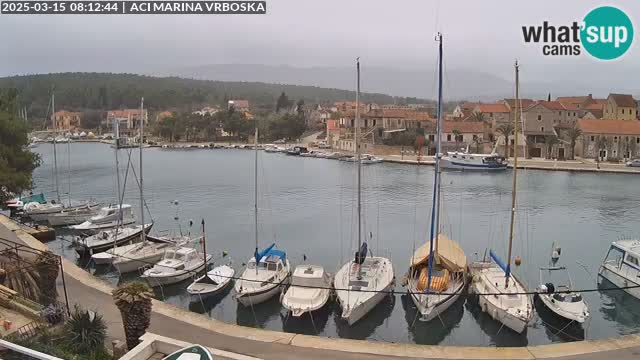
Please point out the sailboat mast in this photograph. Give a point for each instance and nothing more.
(69, 171)
(359, 161)
(55, 153)
(436, 181)
(515, 176)
(117, 144)
(143, 236)
(255, 193)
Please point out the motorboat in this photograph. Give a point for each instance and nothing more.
(17, 204)
(193, 352)
(177, 264)
(263, 278)
(297, 150)
(322, 155)
(501, 297)
(40, 212)
(108, 217)
(335, 156)
(560, 297)
(309, 291)
(106, 239)
(131, 257)
(448, 280)
(212, 283)
(370, 159)
(621, 266)
(310, 153)
(73, 216)
(464, 160)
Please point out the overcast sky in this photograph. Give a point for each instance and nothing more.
(481, 35)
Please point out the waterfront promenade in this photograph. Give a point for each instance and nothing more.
(171, 321)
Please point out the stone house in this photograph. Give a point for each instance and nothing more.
(67, 120)
(620, 107)
(609, 139)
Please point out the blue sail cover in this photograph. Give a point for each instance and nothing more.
(260, 255)
(504, 267)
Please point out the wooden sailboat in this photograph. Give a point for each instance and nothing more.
(365, 280)
(437, 277)
(267, 272)
(508, 301)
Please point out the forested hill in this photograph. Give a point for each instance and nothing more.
(103, 91)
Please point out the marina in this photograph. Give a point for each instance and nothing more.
(395, 214)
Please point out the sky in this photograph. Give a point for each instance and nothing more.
(484, 36)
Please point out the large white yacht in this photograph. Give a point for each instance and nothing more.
(621, 266)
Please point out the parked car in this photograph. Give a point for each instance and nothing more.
(634, 163)
(324, 145)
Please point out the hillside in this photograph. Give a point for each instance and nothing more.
(103, 91)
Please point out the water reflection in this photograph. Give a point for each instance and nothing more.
(205, 305)
(366, 326)
(500, 335)
(556, 327)
(435, 331)
(258, 315)
(312, 323)
(618, 306)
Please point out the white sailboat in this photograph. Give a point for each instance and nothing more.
(364, 281)
(437, 276)
(267, 272)
(74, 216)
(506, 299)
(309, 291)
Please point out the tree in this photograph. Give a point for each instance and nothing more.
(506, 130)
(572, 135)
(477, 116)
(550, 141)
(283, 102)
(477, 141)
(457, 137)
(134, 302)
(16, 161)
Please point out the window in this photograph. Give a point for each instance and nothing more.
(542, 128)
(560, 113)
(490, 114)
(574, 114)
(593, 138)
(475, 137)
(539, 117)
(638, 140)
(623, 111)
(374, 122)
(632, 260)
(432, 138)
(455, 156)
(271, 267)
(615, 139)
(448, 137)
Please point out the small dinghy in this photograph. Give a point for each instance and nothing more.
(309, 291)
(193, 352)
(212, 283)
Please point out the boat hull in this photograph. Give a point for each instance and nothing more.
(84, 250)
(134, 265)
(453, 165)
(299, 311)
(428, 313)
(258, 297)
(546, 300)
(358, 312)
(619, 280)
(103, 226)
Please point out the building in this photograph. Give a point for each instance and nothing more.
(609, 139)
(163, 115)
(239, 105)
(495, 114)
(457, 134)
(67, 120)
(621, 107)
(128, 119)
(207, 110)
(464, 110)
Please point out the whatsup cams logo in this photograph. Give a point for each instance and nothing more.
(606, 33)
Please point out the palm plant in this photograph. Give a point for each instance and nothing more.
(477, 142)
(602, 143)
(134, 302)
(506, 130)
(572, 135)
(477, 116)
(85, 331)
(48, 268)
(550, 141)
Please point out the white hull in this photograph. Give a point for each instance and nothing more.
(250, 298)
(558, 309)
(71, 217)
(297, 310)
(609, 272)
(162, 280)
(364, 308)
(43, 216)
(448, 164)
(87, 225)
(223, 275)
(130, 265)
(429, 313)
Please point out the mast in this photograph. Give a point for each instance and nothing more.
(143, 235)
(69, 170)
(255, 193)
(118, 197)
(55, 153)
(436, 181)
(515, 176)
(359, 161)
(204, 246)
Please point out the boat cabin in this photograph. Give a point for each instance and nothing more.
(623, 257)
(311, 276)
(270, 260)
(175, 258)
(111, 211)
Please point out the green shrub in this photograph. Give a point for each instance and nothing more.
(85, 331)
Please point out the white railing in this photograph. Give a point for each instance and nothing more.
(26, 351)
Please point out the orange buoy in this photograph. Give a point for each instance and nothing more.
(517, 261)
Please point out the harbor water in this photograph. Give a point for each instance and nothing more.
(307, 207)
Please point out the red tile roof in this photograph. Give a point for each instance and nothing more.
(524, 103)
(552, 105)
(623, 100)
(469, 105)
(124, 113)
(465, 127)
(595, 106)
(570, 106)
(576, 100)
(609, 127)
(492, 108)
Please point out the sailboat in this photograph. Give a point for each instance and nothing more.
(506, 298)
(267, 272)
(365, 280)
(131, 257)
(437, 276)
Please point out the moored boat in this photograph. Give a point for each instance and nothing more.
(621, 266)
(73, 216)
(108, 217)
(310, 290)
(107, 239)
(177, 264)
(193, 352)
(263, 278)
(212, 283)
(467, 161)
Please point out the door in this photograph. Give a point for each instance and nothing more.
(535, 152)
(560, 153)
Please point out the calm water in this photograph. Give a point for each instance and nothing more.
(307, 207)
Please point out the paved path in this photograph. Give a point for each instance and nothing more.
(170, 321)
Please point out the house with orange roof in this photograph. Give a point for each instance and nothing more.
(128, 119)
(238, 105)
(66, 120)
(621, 107)
(608, 139)
(495, 114)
